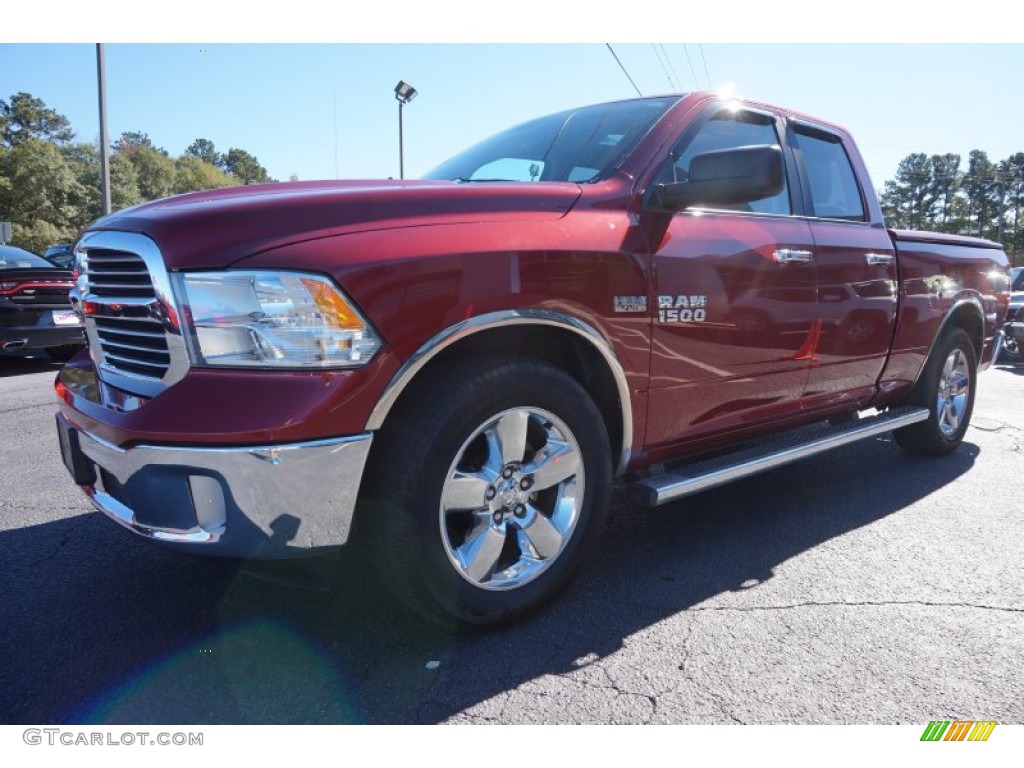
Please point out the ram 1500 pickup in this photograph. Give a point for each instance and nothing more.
(678, 291)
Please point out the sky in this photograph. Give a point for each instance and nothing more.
(324, 111)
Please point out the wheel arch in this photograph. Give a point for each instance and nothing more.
(966, 313)
(560, 339)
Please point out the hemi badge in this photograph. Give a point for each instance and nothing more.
(630, 303)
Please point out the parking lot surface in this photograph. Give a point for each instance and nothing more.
(861, 586)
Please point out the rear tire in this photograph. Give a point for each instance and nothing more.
(946, 388)
(487, 487)
(1010, 353)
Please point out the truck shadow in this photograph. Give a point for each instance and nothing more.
(102, 627)
(19, 364)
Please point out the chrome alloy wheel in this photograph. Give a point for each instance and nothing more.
(954, 389)
(512, 498)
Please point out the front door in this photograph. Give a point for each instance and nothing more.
(733, 298)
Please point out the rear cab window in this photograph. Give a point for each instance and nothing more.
(833, 188)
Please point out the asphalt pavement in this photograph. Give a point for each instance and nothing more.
(861, 586)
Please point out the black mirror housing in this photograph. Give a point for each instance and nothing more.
(726, 177)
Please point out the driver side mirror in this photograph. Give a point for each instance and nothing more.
(725, 177)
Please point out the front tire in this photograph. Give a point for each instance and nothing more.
(487, 487)
(946, 388)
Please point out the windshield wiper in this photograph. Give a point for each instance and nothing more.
(464, 180)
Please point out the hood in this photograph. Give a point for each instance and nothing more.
(215, 228)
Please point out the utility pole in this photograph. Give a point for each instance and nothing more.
(104, 138)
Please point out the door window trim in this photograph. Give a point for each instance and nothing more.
(793, 126)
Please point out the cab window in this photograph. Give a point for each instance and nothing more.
(833, 184)
(730, 129)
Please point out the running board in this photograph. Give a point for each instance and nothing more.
(768, 454)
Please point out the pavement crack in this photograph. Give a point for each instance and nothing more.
(857, 603)
(65, 537)
(999, 427)
(27, 408)
(719, 699)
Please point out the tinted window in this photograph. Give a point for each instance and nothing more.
(834, 190)
(578, 145)
(16, 258)
(730, 129)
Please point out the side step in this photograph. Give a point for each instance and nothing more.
(767, 454)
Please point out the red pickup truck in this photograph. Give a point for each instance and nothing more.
(678, 291)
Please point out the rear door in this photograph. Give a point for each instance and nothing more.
(856, 268)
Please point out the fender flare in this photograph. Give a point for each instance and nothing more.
(947, 321)
(503, 319)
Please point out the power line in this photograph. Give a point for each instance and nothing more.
(693, 71)
(706, 73)
(671, 66)
(663, 67)
(624, 69)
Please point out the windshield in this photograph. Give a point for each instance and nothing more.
(577, 145)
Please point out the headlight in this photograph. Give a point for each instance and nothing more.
(273, 320)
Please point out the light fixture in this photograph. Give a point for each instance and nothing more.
(404, 93)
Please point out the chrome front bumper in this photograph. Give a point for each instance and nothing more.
(253, 501)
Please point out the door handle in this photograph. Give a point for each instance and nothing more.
(879, 259)
(791, 256)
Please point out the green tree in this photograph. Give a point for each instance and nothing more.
(1011, 177)
(133, 141)
(124, 181)
(83, 160)
(192, 175)
(245, 167)
(205, 151)
(909, 198)
(945, 181)
(980, 193)
(154, 169)
(42, 195)
(26, 117)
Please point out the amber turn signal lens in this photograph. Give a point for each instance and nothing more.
(332, 305)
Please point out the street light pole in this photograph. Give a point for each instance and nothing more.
(404, 93)
(101, 76)
(401, 153)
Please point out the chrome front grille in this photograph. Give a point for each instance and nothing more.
(116, 274)
(132, 340)
(130, 315)
(134, 345)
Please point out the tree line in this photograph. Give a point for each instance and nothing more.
(983, 199)
(50, 184)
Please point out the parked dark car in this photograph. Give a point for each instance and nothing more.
(35, 312)
(61, 255)
(1014, 329)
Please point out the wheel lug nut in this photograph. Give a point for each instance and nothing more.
(490, 493)
(520, 510)
(507, 472)
(497, 517)
(526, 483)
